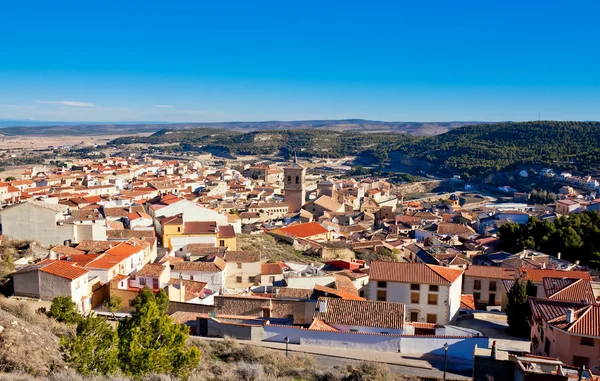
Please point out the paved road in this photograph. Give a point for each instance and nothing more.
(494, 326)
(408, 365)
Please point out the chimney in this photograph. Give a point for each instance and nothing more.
(570, 315)
(323, 305)
(558, 255)
(181, 289)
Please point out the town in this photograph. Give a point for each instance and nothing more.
(267, 253)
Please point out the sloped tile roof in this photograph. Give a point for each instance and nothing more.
(306, 230)
(319, 325)
(270, 269)
(151, 270)
(239, 256)
(587, 321)
(490, 272)
(413, 273)
(538, 275)
(320, 290)
(365, 313)
(547, 309)
(226, 231)
(575, 290)
(467, 302)
(66, 250)
(64, 269)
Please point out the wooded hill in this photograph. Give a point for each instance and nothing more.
(469, 151)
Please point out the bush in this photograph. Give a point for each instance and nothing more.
(64, 310)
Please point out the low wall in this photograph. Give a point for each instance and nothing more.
(459, 346)
(214, 328)
(190, 307)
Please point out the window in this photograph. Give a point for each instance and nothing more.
(179, 229)
(432, 299)
(289, 179)
(222, 243)
(477, 284)
(542, 335)
(381, 295)
(251, 279)
(415, 287)
(414, 316)
(191, 277)
(434, 288)
(432, 318)
(547, 347)
(77, 285)
(239, 265)
(415, 297)
(238, 279)
(493, 285)
(142, 281)
(587, 341)
(297, 179)
(476, 296)
(361, 293)
(579, 361)
(381, 284)
(271, 279)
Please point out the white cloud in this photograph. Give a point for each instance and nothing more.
(191, 111)
(164, 106)
(16, 106)
(68, 103)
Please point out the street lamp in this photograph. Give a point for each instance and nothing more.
(287, 342)
(445, 359)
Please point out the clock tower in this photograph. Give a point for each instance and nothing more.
(293, 179)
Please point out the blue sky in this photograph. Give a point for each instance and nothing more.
(287, 60)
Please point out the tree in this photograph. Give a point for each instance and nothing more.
(10, 178)
(64, 310)
(149, 341)
(94, 350)
(112, 304)
(511, 236)
(517, 309)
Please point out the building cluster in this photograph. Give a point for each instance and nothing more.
(388, 274)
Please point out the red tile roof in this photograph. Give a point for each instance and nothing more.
(490, 272)
(200, 227)
(303, 230)
(335, 292)
(547, 309)
(270, 269)
(151, 270)
(360, 313)
(64, 269)
(575, 290)
(413, 273)
(319, 325)
(239, 256)
(587, 321)
(467, 302)
(226, 231)
(66, 250)
(538, 275)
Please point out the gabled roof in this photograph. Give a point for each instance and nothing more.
(200, 227)
(66, 250)
(538, 275)
(306, 230)
(226, 231)
(575, 290)
(547, 309)
(64, 270)
(319, 325)
(240, 256)
(413, 273)
(217, 265)
(362, 313)
(271, 269)
(467, 302)
(151, 270)
(491, 272)
(586, 323)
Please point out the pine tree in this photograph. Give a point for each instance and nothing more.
(517, 309)
(112, 304)
(95, 348)
(64, 310)
(151, 343)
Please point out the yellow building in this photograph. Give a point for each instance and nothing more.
(178, 234)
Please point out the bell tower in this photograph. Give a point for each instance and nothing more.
(293, 180)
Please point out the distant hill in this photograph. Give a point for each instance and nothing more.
(487, 148)
(8, 127)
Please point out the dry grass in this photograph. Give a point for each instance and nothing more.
(271, 249)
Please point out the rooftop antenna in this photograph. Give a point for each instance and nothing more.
(539, 116)
(295, 157)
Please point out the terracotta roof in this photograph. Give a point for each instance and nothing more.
(587, 321)
(193, 289)
(538, 275)
(226, 231)
(547, 309)
(64, 269)
(467, 302)
(200, 227)
(449, 228)
(66, 250)
(151, 270)
(490, 272)
(362, 313)
(413, 273)
(81, 260)
(242, 256)
(575, 290)
(182, 317)
(343, 283)
(319, 325)
(306, 230)
(125, 234)
(270, 269)
(118, 211)
(319, 290)
(216, 266)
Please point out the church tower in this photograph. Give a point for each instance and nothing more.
(293, 178)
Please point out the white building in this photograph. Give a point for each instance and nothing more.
(431, 293)
(211, 273)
